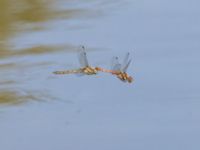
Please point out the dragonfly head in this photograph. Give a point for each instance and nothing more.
(129, 79)
(98, 69)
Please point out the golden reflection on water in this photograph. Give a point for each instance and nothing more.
(23, 15)
(14, 97)
(26, 16)
(36, 50)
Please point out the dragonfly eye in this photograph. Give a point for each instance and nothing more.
(130, 79)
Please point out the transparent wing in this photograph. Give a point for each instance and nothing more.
(82, 57)
(124, 69)
(125, 61)
(80, 74)
(115, 64)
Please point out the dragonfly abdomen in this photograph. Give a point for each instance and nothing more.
(67, 71)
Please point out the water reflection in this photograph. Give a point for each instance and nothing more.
(15, 86)
(13, 97)
(16, 97)
(36, 50)
(21, 19)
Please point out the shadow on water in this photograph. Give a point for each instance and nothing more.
(21, 19)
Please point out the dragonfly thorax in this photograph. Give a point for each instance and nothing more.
(124, 77)
(89, 70)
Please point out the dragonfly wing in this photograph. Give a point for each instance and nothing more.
(82, 56)
(115, 64)
(80, 74)
(124, 69)
(125, 61)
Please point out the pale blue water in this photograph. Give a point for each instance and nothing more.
(159, 111)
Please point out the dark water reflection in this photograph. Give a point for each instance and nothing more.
(21, 19)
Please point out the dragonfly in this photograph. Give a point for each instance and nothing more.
(119, 69)
(85, 67)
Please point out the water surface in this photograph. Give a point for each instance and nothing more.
(39, 110)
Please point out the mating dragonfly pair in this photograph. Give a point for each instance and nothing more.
(118, 69)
